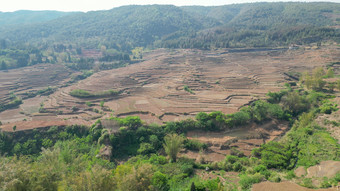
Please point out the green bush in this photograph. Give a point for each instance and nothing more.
(231, 159)
(145, 148)
(160, 181)
(328, 107)
(131, 121)
(275, 97)
(246, 181)
(237, 167)
(275, 155)
(307, 182)
(194, 145)
(186, 88)
(290, 175)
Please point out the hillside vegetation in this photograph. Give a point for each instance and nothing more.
(121, 34)
(257, 24)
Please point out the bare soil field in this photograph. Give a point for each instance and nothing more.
(37, 77)
(219, 80)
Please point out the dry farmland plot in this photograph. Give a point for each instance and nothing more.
(219, 81)
(154, 89)
(28, 79)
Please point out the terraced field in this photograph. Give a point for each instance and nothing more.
(169, 85)
(219, 81)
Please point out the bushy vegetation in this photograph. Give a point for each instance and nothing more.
(85, 94)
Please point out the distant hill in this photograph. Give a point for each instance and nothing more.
(239, 25)
(29, 17)
(264, 24)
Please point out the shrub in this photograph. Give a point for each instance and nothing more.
(275, 97)
(231, 159)
(102, 103)
(246, 181)
(195, 145)
(145, 148)
(158, 159)
(260, 168)
(187, 169)
(237, 167)
(275, 155)
(328, 107)
(307, 182)
(186, 88)
(236, 152)
(290, 175)
(160, 181)
(274, 178)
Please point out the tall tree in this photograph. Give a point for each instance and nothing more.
(172, 146)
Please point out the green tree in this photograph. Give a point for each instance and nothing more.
(137, 178)
(3, 66)
(295, 103)
(172, 146)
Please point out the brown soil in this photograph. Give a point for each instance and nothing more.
(324, 169)
(300, 171)
(284, 186)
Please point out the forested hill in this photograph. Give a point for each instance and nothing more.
(239, 25)
(125, 26)
(29, 17)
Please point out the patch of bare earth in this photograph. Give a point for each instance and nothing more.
(318, 172)
(284, 186)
